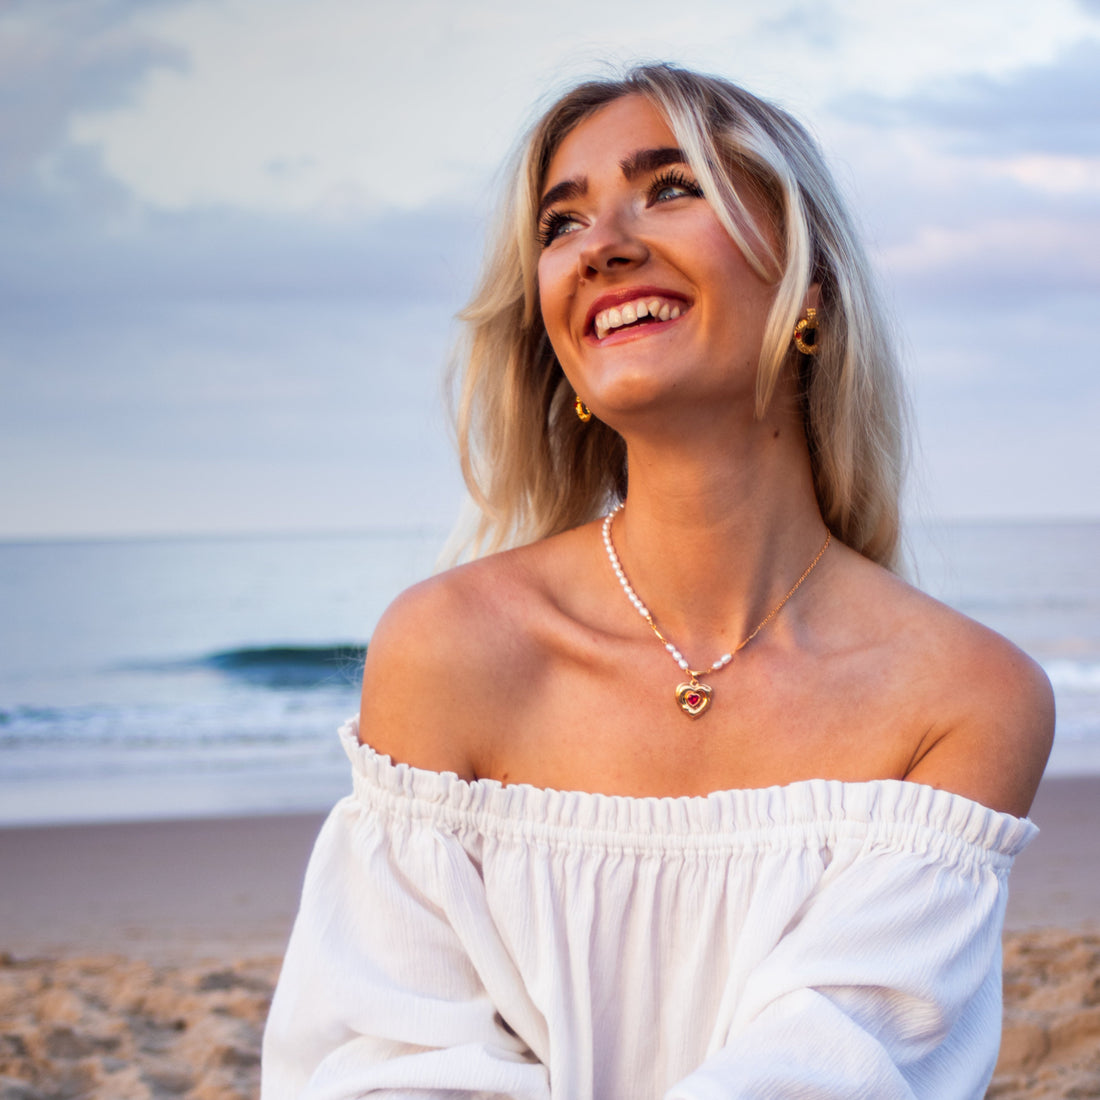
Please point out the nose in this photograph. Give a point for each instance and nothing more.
(610, 246)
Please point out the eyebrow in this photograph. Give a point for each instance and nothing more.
(637, 164)
(562, 192)
(649, 160)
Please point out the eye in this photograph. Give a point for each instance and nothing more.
(554, 224)
(673, 185)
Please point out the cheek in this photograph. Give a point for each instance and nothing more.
(544, 289)
(553, 300)
(740, 283)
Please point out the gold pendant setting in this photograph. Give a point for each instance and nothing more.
(693, 698)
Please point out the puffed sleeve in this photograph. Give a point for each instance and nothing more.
(395, 980)
(886, 984)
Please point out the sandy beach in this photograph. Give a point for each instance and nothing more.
(138, 960)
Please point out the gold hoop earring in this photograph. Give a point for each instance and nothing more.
(583, 413)
(807, 324)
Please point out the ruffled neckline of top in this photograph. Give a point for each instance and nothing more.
(895, 811)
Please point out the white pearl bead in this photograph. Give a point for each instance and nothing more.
(631, 595)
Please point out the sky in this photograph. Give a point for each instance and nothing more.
(234, 235)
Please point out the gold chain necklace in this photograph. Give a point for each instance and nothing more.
(693, 697)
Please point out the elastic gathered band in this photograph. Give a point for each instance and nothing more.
(887, 813)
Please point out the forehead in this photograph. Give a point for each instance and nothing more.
(607, 137)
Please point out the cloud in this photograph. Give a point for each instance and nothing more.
(225, 254)
(984, 187)
(1049, 109)
(289, 107)
(1007, 260)
(80, 56)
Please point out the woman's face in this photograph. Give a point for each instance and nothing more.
(645, 297)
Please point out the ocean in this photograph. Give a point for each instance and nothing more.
(190, 677)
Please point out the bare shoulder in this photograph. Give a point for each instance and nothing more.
(985, 709)
(441, 666)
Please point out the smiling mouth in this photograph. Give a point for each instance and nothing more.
(649, 310)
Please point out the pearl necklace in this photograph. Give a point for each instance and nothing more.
(694, 697)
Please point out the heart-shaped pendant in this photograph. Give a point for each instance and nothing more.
(693, 698)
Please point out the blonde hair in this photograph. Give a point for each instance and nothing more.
(532, 469)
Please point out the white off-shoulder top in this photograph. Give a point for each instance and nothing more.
(468, 939)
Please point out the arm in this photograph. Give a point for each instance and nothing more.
(380, 995)
(395, 978)
(886, 985)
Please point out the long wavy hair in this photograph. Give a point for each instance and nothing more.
(532, 469)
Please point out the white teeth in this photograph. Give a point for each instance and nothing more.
(628, 313)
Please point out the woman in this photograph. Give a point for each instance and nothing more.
(678, 390)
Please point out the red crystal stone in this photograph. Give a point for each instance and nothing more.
(693, 698)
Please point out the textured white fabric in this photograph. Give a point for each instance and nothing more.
(823, 939)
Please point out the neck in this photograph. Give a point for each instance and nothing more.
(712, 539)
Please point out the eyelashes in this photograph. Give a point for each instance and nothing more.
(664, 187)
(673, 180)
(550, 226)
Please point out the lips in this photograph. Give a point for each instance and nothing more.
(633, 307)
